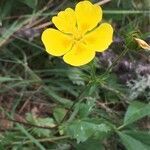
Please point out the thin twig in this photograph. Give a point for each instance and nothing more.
(41, 19)
(103, 2)
(104, 106)
(43, 25)
(30, 24)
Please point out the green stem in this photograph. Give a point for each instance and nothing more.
(114, 63)
(43, 140)
(93, 69)
(80, 97)
(117, 59)
(78, 100)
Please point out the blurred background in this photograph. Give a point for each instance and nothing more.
(36, 88)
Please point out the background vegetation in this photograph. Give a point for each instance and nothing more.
(46, 104)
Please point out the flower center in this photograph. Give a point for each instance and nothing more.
(77, 36)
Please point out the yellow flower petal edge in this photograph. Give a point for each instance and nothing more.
(79, 36)
(56, 43)
(88, 15)
(65, 21)
(100, 38)
(79, 55)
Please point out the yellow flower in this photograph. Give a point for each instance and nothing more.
(79, 36)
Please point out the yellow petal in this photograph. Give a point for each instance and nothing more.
(88, 15)
(65, 21)
(55, 42)
(100, 38)
(79, 55)
(142, 44)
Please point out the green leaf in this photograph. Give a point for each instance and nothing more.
(1, 147)
(6, 79)
(15, 26)
(55, 97)
(90, 144)
(132, 144)
(5, 9)
(43, 122)
(59, 114)
(81, 130)
(36, 142)
(86, 108)
(136, 111)
(142, 136)
(76, 76)
(31, 3)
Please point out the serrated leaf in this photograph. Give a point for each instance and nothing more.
(76, 76)
(132, 144)
(43, 122)
(46, 122)
(81, 130)
(136, 111)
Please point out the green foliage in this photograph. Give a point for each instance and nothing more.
(59, 114)
(142, 136)
(76, 76)
(29, 136)
(90, 144)
(131, 143)
(136, 111)
(84, 108)
(81, 130)
(31, 3)
(42, 122)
